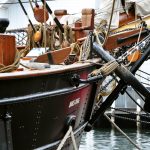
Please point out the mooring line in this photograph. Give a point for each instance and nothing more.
(128, 138)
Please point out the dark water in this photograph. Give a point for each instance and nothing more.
(109, 139)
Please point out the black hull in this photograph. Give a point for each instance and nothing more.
(34, 110)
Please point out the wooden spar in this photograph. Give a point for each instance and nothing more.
(53, 16)
(121, 71)
(28, 19)
(26, 15)
(110, 99)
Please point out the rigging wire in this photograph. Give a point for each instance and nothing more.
(10, 3)
(110, 21)
(145, 83)
(142, 77)
(133, 98)
(144, 72)
(98, 11)
(136, 102)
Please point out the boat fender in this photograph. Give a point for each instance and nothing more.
(70, 121)
(37, 35)
(135, 56)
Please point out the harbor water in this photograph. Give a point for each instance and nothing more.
(110, 139)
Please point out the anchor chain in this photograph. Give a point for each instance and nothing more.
(132, 113)
(130, 119)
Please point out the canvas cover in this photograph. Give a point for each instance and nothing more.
(142, 6)
(104, 11)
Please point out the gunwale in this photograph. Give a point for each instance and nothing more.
(54, 69)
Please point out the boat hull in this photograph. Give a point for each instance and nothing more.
(35, 110)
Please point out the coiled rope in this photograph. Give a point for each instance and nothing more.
(16, 62)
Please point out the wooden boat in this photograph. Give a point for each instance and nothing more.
(39, 106)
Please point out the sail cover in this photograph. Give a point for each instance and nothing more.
(141, 6)
(104, 11)
(105, 6)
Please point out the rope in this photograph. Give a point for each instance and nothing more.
(30, 2)
(110, 22)
(44, 32)
(85, 49)
(75, 51)
(106, 69)
(75, 48)
(15, 64)
(109, 67)
(67, 36)
(70, 131)
(127, 137)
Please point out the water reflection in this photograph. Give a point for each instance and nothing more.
(106, 139)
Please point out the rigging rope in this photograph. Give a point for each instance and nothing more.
(16, 62)
(110, 21)
(44, 32)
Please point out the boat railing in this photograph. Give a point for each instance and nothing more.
(21, 36)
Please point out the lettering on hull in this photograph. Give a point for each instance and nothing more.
(74, 102)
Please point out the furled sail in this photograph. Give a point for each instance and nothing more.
(104, 11)
(141, 6)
